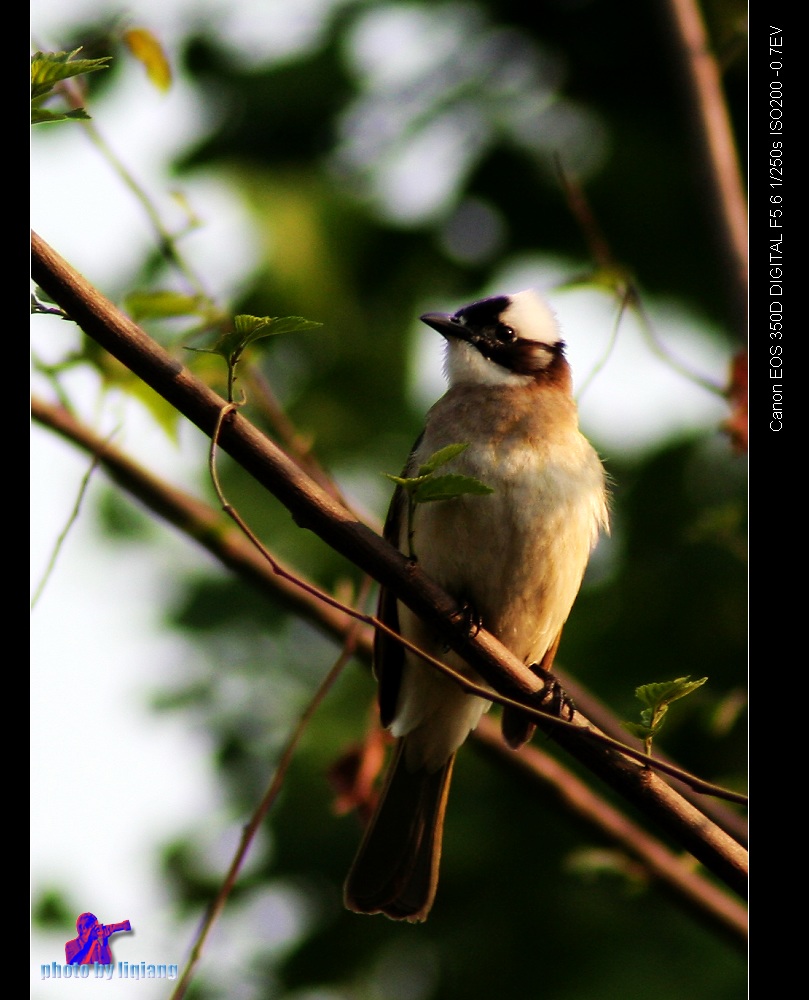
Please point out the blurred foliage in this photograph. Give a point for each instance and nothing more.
(311, 143)
(52, 909)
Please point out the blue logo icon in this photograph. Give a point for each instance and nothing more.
(93, 942)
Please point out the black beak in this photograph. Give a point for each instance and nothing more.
(445, 324)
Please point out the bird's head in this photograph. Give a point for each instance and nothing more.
(504, 339)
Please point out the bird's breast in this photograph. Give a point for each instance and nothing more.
(518, 554)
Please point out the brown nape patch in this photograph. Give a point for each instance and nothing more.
(527, 357)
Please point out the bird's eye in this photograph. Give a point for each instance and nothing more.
(505, 334)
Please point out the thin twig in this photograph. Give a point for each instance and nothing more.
(57, 548)
(599, 365)
(166, 241)
(625, 288)
(663, 352)
(250, 830)
(276, 783)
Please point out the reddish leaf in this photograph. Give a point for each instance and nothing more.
(353, 776)
(736, 424)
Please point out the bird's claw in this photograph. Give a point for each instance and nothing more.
(468, 619)
(553, 698)
(471, 619)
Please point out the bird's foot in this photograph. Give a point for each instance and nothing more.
(471, 618)
(553, 699)
(468, 619)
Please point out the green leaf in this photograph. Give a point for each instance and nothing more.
(657, 698)
(245, 325)
(637, 730)
(249, 329)
(246, 331)
(41, 115)
(427, 487)
(665, 692)
(162, 304)
(408, 482)
(253, 328)
(648, 727)
(49, 68)
(441, 457)
(448, 487)
(648, 715)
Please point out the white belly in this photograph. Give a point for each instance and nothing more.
(517, 556)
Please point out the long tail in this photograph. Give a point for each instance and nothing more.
(395, 871)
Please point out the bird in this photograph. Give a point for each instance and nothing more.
(514, 557)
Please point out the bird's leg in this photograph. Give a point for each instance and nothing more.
(518, 728)
(467, 618)
(553, 699)
(471, 619)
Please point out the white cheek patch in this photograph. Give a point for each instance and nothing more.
(465, 363)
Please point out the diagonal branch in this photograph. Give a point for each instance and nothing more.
(340, 529)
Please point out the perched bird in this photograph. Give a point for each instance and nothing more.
(515, 557)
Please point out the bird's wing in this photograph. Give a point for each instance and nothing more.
(389, 654)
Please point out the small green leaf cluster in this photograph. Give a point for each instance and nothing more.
(657, 698)
(426, 487)
(49, 69)
(247, 330)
